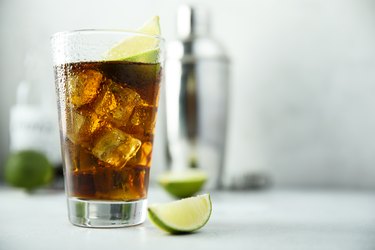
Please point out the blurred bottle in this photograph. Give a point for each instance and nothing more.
(33, 119)
(196, 82)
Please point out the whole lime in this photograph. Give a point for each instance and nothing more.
(28, 169)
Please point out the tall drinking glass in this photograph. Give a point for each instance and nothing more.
(107, 113)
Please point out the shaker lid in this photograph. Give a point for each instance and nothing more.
(194, 41)
(192, 21)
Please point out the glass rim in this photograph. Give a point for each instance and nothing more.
(104, 31)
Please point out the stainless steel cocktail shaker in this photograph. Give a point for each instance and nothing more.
(196, 84)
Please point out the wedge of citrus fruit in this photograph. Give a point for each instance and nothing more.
(182, 184)
(142, 47)
(182, 216)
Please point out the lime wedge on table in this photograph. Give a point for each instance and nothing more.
(182, 184)
(182, 216)
(139, 48)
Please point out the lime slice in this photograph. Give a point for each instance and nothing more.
(28, 169)
(182, 216)
(182, 184)
(139, 48)
(151, 56)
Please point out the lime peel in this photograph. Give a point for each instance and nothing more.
(182, 184)
(182, 216)
(139, 48)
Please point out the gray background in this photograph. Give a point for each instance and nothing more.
(302, 81)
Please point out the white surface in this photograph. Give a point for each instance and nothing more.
(256, 220)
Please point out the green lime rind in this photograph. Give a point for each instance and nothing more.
(181, 189)
(139, 48)
(151, 56)
(136, 49)
(158, 223)
(28, 169)
(182, 184)
(166, 226)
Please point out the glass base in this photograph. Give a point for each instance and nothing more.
(89, 213)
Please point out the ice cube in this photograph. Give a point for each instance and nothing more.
(78, 159)
(81, 127)
(109, 184)
(142, 122)
(74, 124)
(116, 103)
(143, 156)
(136, 181)
(84, 86)
(143, 78)
(115, 147)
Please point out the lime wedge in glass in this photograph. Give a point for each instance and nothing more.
(143, 47)
(182, 216)
(182, 184)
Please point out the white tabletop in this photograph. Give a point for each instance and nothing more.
(272, 219)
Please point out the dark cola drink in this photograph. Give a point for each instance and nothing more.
(109, 110)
